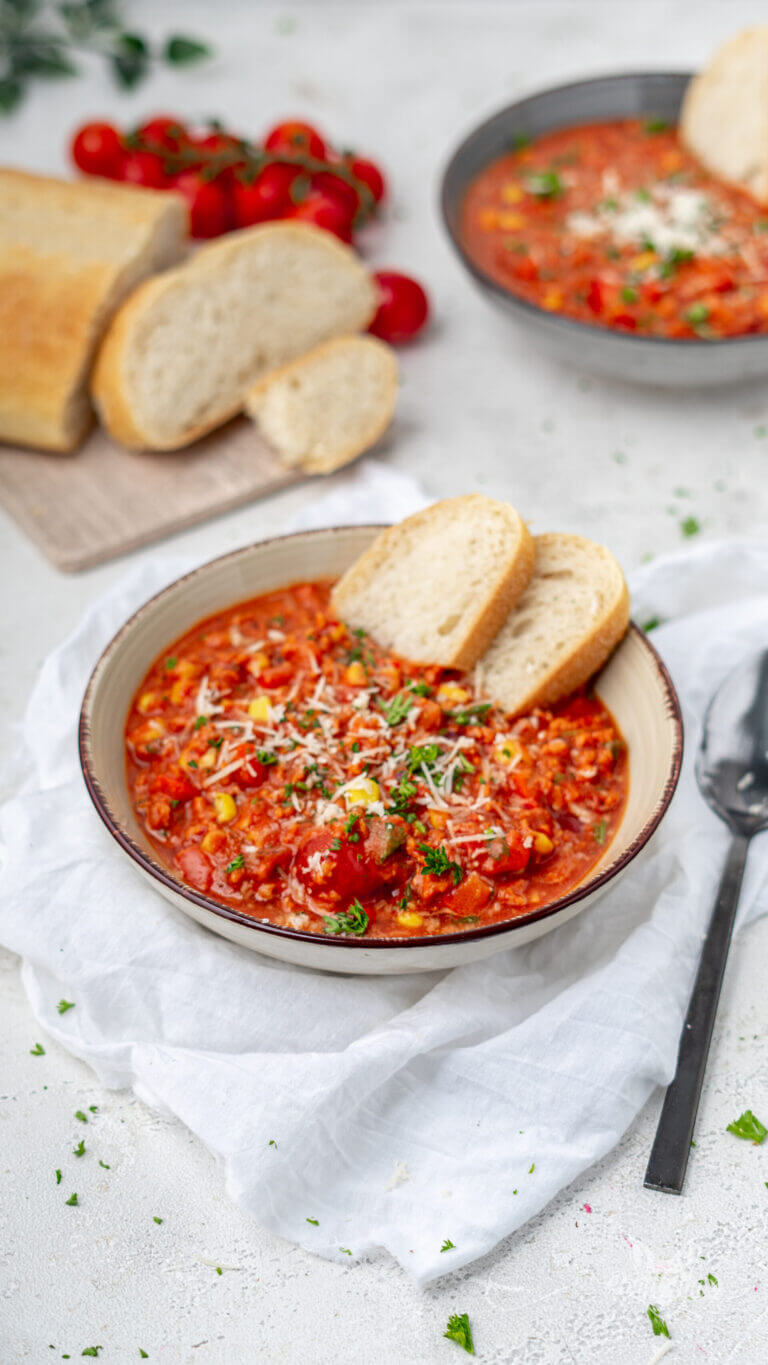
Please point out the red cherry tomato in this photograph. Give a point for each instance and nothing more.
(295, 136)
(175, 785)
(195, 867)
(345, 872)
(97, 149)
(370, 175)
(334, 187)
(164, 130)
(325, 212)
(145, 168)
(268, 196)
(209, 207)
(219, 144)
(403, 310)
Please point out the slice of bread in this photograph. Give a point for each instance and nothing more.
(570, 617)
(69, 255)
(724, 119)
(183, 351)
(436, 587)
(320, 411)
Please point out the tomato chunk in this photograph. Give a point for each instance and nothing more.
(195, 867)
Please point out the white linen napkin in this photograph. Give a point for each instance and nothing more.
(394, 1111)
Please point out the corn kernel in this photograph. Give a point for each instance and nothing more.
(450, 694)
(507, 750)
(337, 632)
(553, 300)
(225, 807)
(185, 668)
(354, 674)
(259, 709)
(643, 260)
(208, 760)
(146, 701)
(512, 193)
(178, 691)
(437, 819)
(211, 840)
(363, 793)
(408, 919)
(542, 842)
(510, 222)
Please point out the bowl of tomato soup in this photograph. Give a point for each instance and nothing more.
(580, 213)
(298, 789)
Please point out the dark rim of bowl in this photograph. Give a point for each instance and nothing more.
(162, 874)
(566, 324)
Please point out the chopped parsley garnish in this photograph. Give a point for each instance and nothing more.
(711, 1279)
(438, 864)
(655, 125)
(92, 1108)
(599, 831)
(236, 864)
(219, 1270)
(346, 1251)
(676, 257)
(421, 689)
(143, 1354)
(58, 1177)
(79, 1150)
(697, 314)
(654, 622)
(104, 1165)
(83, 1118)
(447, 1245)
(423, 754)
(352, 921)
(272, 1143)
(545, 185)
(217, 742)
(336, 844)
(401, 795)
(643, 196)
(155, 1218)
(192, 763)
(91, 1350)
(459, 1330)
(471, 715)
(65, 1005)
(532, 1168)
(349, 828)
(200, 722)
(519, 142)
(397, 710)
(314, 1222)
(71, 1201)
(629, 294)
(749, 1127)
(37, 1051)
(690, 527)
(356, 747)
(658, 1324)
(265, 757)
(171, 661)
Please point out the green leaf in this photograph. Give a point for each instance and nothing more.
(352, 921)
(460, 1331)
(81, 1116)
(658, 1324)
(37, 1051)
(11, 94)
(42, 59)
(749, 1127)
(71, 1201)
(65, 1005)
(79, 1150)
(447, 1245)
(155, 1218)
(180, 51)
(130, 60)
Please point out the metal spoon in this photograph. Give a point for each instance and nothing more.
(732, 772)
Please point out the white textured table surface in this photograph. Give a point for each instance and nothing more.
(478, 408)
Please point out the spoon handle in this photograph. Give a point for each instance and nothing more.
(672, 1144)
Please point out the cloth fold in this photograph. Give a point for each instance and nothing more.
(395, 1111)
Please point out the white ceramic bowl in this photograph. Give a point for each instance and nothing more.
(634, 685)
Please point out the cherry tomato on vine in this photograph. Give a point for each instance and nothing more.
(324, 212)
(164, 130)
(370, 175)
(403, 310)
(209, 205)
(268, 196)
(335, 187)
(97, 149)
(145, 168)
(294, 136)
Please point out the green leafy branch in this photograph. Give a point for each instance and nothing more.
(38, 40)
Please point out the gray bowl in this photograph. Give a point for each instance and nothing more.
(647, 360)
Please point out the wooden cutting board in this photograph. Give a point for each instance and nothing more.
(85, 508)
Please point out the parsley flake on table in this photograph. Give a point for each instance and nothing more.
(93, 1108)
(58, 1176)
(104, 1165)
(447, 1245)
(155, 1218)
(71, 1201)
(351, 921)
(79, 1150)
(65, 1005)
(658, 1324)
(83, 1118)
(346, 1251)
(652, 624)
(219, 1270)
(532, 1168)
(459, 1330)
(314, 1222)
(91, 1350)
(143, 1354)
(690, 526)
(749, 1127)
(272, 1143)
(37, 1051)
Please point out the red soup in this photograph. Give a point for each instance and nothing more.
(617, 224)
(288, 767)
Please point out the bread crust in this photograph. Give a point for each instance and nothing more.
(68, 254)
(488, 617)
(108, 384)
(591, 652)
(711, 95)
(376, 426)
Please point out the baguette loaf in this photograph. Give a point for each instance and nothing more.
(183, 351)
(320, 411)
(570, 617)
(437, 586)
(69, 254)
(724, 119)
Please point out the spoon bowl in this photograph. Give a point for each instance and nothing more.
(732, 762)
